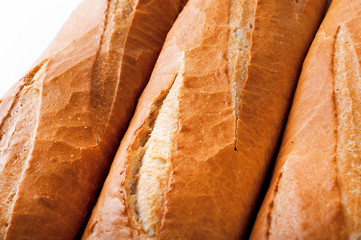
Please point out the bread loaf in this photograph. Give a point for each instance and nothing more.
(61, 124)
(315, 191)
(195, 155)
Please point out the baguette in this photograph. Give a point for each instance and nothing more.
(61, 124)
(195, 155)
(315, 192)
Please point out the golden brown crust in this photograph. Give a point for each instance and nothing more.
(315, 188)
(61, 124)
(211, 187)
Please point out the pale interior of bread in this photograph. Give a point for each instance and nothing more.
(239, 38)
(348, 107)
(153, 172)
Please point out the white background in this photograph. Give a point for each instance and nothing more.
(27, 27)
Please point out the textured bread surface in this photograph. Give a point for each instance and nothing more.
(195, 154)
(315, 191)
(155, 163)
(61, 124)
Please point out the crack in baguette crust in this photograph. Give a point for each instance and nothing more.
(148, 164)
(17, 131)
(241, 22)
(347, 92)
(153, 173)
(111, 51)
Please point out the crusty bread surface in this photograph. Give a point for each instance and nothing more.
(61, 124)
(315, 192)
(195, 155)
